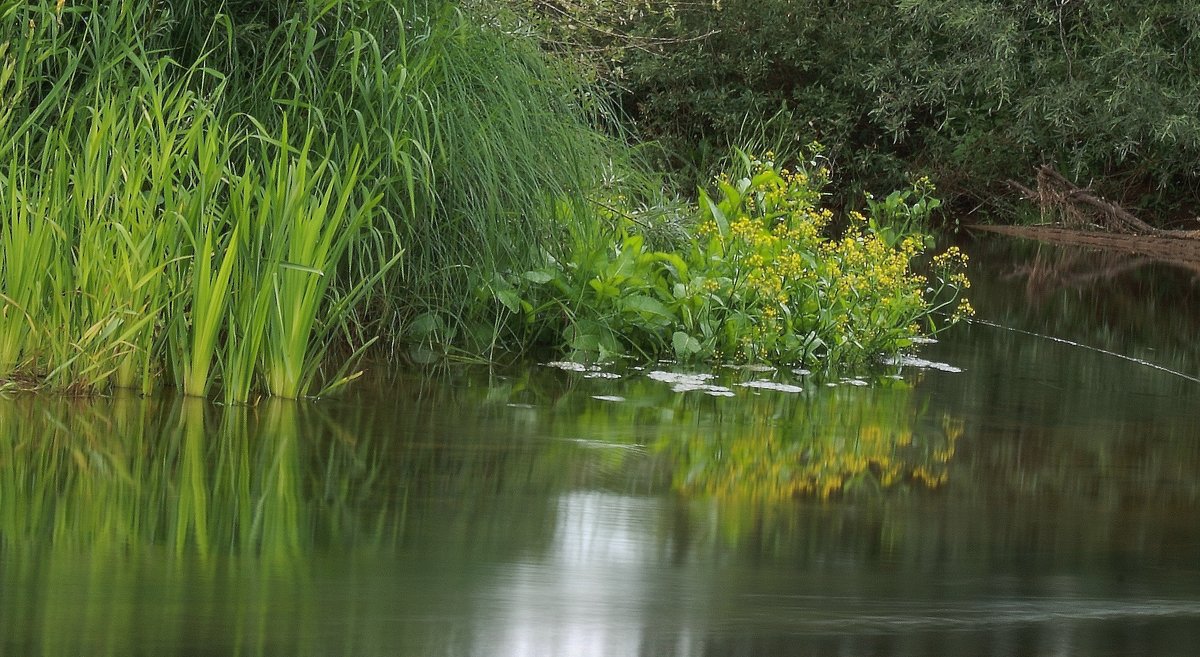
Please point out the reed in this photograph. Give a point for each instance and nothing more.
(212, 195)
(309, 216)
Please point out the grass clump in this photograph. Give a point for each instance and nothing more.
(213, 195)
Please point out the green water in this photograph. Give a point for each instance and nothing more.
(1042, 501)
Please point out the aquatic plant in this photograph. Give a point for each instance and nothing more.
(766, 276)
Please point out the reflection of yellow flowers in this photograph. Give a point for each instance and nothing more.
(842, 440)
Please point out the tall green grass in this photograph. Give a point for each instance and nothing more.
(212, 195)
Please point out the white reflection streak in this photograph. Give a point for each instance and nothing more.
(587, 596)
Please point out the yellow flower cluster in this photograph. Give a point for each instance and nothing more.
(790, 266)
(855, 294)
(743, 228)
(962, 311)
(951, 258)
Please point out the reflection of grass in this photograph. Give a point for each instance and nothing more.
(187, 478)
(147, 525)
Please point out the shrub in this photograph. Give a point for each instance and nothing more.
(973, 92)
(765, 276)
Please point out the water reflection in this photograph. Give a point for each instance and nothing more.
(596, 592)
(135, 523)
(845, 440)
(180, 475)
(1133, 305)
(1040, 501)
(760, 439)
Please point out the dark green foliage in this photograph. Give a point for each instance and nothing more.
(1107, 91)
(778, 73)
(971, 91)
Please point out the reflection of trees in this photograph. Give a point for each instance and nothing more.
(1049, 272)
(1133, 305)
(1051, 422)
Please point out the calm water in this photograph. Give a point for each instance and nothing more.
(1041, 501)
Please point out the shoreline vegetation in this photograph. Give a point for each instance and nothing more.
(217, 197)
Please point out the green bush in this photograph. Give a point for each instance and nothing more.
(760, 279)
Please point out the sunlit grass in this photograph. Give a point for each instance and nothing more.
(211, 195)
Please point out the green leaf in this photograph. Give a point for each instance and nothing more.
(644, 304)
(604, 289)
(717, 214)
(586, 342)
(303, 268)
(684, 344)
(765, 177)
(510, 299)
(538, 276)
(425, 324)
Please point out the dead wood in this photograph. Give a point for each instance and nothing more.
(1081, 208)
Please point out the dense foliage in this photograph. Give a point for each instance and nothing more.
(214, 195)
(971, 91)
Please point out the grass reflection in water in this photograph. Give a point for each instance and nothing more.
(180, 475)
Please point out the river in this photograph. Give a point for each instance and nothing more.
(1027, 485)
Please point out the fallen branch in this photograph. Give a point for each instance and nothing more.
(1080, 207)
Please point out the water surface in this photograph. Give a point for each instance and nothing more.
(1041, 501)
